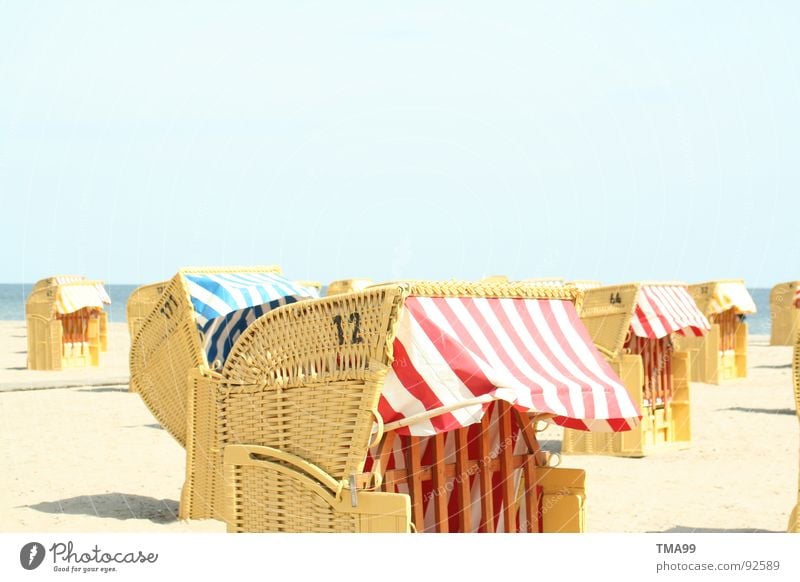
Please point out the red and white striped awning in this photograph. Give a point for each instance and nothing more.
(665, 309)
(453, 356)
(797, 297)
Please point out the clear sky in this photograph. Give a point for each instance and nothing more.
(607, 140)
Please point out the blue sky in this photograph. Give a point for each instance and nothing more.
(614, 141)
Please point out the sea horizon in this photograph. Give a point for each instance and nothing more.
(14, 295)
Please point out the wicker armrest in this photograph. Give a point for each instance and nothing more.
(272, 490)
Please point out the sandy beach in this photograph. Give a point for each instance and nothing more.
(83, 454)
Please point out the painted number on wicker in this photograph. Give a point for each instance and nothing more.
(355, 319)
(615, 299)
(169, 307)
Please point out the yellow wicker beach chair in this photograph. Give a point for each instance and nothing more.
(347, 286)
(140, 303)
(313, 285)
(327, 416)
(584, 284)
(794, 519)
(67, 326)
(168, 344)
(784, 301)
(722, 354)
(634, 326)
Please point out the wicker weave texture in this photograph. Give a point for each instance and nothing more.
(282, 494)
(607, 313)
(291, 385)
(167, 346)
(794, 520)
(140, 303)
(785, 316)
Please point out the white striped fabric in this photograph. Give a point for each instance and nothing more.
(455, 355)
(397, 460)
(731, 295)
(75, 296)
(59, 279)
(225, 304)
(217, 295)
(665, 309)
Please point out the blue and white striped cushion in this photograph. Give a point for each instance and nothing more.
(226, 304)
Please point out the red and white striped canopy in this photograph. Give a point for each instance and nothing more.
(797, 297)
(665, 309)
(455, 355)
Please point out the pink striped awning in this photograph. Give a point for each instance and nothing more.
(455, 355)
(665, 309)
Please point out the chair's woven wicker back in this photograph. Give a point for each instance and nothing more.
(796, 375)
(702, 293)
(167, 346)
(785, 316)
(306, 378)
(794, 520)
(140, 303)
(607, 313)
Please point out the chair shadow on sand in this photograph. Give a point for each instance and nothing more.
(774, 366)
(687, 529)
(787, 411)
(114, 505)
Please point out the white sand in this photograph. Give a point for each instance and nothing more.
(94, 459)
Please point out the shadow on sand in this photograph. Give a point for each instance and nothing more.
(789, 411)
(774, 367)
(687, 529)
(114, 505)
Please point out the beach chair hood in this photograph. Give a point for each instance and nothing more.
(731, 295)
(454, 355)
(664, 309)
(226, 303)
(76, 295)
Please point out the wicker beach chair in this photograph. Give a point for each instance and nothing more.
(398, 405)
(794, 519)
(141, 302)
(722, 354)
(181, 331)
(347, 286)
(784, 301)
(634, 325)
(584, 284)
(66, 321)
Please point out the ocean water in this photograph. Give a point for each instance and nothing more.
(13, 296)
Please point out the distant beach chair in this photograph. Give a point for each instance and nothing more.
(784, 301)
(315, 287)
(584, 284)
(196, 319)
(347, 286)
(794, 519)
(140, 303)
(634, 326)
(402, 406)
(66, 321)
(722, 354)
